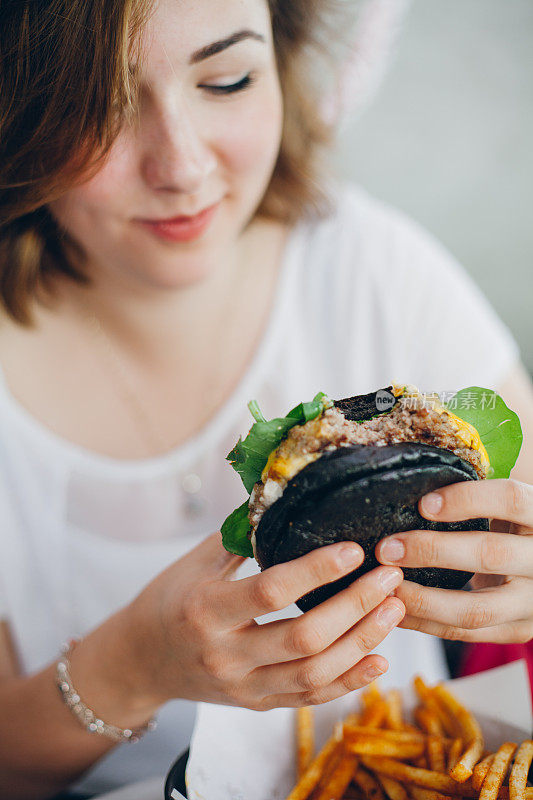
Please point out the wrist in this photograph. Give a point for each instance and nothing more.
(107, 677)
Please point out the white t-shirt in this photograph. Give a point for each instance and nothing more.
(364, 297)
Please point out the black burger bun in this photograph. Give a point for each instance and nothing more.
(362, 493)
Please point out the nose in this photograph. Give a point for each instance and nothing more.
(176, 157)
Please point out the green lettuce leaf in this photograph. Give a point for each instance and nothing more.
(249, 458)
(498, 427)
(235, 529)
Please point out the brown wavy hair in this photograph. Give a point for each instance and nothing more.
(63, 75)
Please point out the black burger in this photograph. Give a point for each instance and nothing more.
(355, 469)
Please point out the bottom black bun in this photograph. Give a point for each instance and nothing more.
(362, 493)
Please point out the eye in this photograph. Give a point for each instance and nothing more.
(228, 88)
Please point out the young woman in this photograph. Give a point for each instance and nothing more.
(167, 253)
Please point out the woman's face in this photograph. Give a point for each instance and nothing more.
(206, 140)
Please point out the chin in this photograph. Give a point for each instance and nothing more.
(177, 271)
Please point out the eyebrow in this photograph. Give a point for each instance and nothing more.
(223, 44)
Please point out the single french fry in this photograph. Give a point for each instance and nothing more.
(438, 781)
(520, 770)
(425, 693)
(384, 747)
(454, 754)
(316, 768)
(419, 793)
(466, 763)
(435, 753)
(480, 771)
(393, 788)
(374, 714)
(352, 719)
(328, 770)
(371, 694)
(470, 732)
(394, 716)
(339, 778)
(429, 721)
(369, 785)
(421, 687)
(466, 721)
(365, 731)
(497, 771)
(305, 738)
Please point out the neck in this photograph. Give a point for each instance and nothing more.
(179, 326)
(148, 319)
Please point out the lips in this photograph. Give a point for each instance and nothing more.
(183, 228)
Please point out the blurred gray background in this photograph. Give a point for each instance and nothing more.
(448, 138)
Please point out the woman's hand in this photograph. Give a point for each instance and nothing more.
(196, 637)
(500, 606)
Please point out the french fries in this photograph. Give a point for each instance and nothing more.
(497, 772)
(339, 779)
(376, 754)
(373, 741)
(368, 785)
(420, 777)
(351, 731)
(429, 721)
(480, 771)
(393, 789)
(382, 747)
(435, 753)
(469, 729)
(419, 793)
(305, 738)
(519, 772)
(394, 718)
(315, 770)
(454, 753)
(374, 714)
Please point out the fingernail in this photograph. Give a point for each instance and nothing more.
(432, 503)
(371, 673)
(390, 579)
(388, 616)
(349, 555)
(392, 549)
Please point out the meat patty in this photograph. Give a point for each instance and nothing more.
(414, 418)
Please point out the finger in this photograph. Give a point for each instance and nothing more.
(518, 632)
(316, 673)
(478, 609)
(363, 673)
(283, 584)
(485, 581)
(209, 559)
(471, 551)
(502, 498)
(312, 632)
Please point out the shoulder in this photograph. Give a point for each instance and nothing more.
(385, 284)
(364, 234)
(365, 249)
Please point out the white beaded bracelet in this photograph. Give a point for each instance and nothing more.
(83, 713)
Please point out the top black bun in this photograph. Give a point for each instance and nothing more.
(362, 493)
